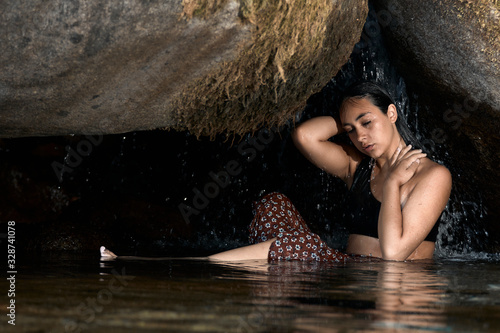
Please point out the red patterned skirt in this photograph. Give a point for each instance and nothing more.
(276, 217)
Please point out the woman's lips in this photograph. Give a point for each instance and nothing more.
(368, 148)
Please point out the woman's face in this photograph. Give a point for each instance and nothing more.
(371, 131)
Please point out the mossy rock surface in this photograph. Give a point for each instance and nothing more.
(209, 67)
(296, 47)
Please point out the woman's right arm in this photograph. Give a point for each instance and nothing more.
(311, 139)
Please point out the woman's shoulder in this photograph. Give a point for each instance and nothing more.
(433, 173)
(429, 168)
(432, 181)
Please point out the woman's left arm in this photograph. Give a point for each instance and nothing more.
(402, 230)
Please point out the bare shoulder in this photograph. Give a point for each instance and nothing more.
(433, 179)
(430, 171)
(430, 187)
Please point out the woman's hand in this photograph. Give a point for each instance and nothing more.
(403, 165)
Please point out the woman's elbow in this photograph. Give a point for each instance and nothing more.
(297, 136)
(394, 255)
(297, 133)
(301, 136)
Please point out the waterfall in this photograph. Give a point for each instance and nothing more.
(169, 193)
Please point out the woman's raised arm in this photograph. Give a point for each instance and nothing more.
(311, 139)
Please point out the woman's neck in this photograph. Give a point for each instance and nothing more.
(398, 142)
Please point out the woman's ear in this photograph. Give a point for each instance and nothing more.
(392, 113)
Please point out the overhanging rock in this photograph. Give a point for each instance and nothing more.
(213, 66)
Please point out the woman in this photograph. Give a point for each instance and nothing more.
(398, 193)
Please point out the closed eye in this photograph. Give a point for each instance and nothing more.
(351, 130)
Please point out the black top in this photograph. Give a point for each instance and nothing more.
(364, 209)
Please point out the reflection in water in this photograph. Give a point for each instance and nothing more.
(389, 295)
(410, 296)
(184, 296)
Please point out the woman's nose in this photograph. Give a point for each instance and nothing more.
(361, 135)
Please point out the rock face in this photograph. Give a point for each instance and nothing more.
(208, 66)
(449, 52)
(449, 45)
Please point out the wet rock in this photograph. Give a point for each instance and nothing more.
(453, 46)
(30, 192)
(207, 66)
(81, 211)
(66, 236)
(130, 222)
(124, 224)
(449, 53)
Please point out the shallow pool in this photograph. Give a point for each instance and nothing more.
(83, 294)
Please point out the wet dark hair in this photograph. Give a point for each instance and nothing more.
(375, 93)
(381, 98)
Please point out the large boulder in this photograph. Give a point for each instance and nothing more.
(449, 52)
(208, 66)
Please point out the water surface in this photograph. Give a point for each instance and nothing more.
(82, 294)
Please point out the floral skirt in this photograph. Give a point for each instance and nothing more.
(276, 217)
